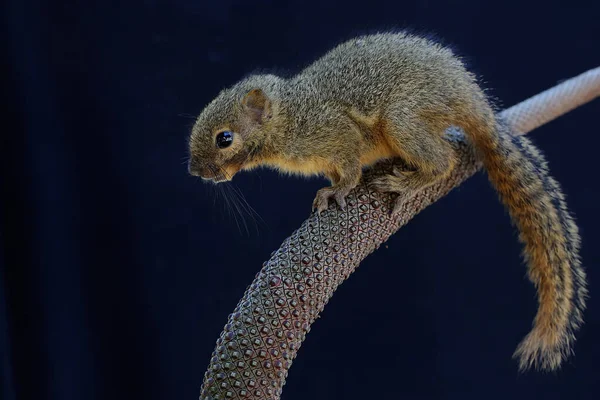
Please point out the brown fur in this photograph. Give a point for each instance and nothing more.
(394, 95)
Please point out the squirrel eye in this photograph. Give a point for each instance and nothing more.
(224, 139)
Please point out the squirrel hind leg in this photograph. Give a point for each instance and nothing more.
(431, 157)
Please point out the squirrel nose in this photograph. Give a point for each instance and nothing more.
(201, 170)
(195, 169)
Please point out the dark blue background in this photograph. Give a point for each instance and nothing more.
(118, 270)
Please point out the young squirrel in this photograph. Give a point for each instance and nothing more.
(394, 95)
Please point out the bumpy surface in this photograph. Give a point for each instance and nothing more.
(265, 331)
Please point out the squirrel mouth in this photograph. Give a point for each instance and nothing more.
(209, 173)
(218, 179)
(215, 178)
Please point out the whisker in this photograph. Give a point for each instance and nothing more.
(218, 192)
(229, 209)
(251, 213)
(240, 207)
(228, 202)
(248, 208)
(225, 174)
(235, 202)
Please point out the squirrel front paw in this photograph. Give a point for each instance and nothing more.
(338, 193)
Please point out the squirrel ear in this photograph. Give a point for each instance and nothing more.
(257, 103)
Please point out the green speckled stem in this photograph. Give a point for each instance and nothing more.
(263, 334)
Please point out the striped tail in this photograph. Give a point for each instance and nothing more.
(551, 241)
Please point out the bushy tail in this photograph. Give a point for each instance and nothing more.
(551, 240)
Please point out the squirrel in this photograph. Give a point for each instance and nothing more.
(394, 95)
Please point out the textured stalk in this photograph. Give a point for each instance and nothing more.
(263, 334)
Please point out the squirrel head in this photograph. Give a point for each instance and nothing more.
(232, 130)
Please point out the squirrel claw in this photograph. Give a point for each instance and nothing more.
(392, 184)
(398, 203)
(321, 201)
